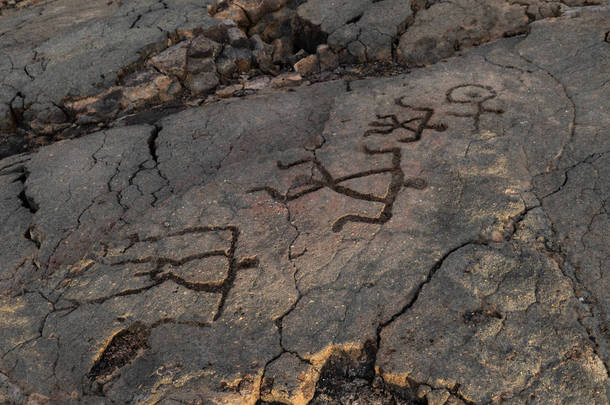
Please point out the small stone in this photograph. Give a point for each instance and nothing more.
(6, 118)
(423, 390)
(240, 57)
(257, 9)
(437, 397)
(202, 82)
(549, 10)
(234, 13)
(38, 399)
(279, 26)
(308, 65)
(172, 61)
(257, 84)
(357, 50)
(202, 47)
(282, 49)
(328, 59)
(172, 92)
(302, 53)
(198, 65)
(228, 91)
(243, 65)
(287, 80)
(226, 67)
(237, 38)
(218, 33)
(45, 118)
(263, 54)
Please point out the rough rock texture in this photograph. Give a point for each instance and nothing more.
(436, 237)
(362, 30)
(63, 74)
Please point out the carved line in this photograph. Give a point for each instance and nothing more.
(385, 128)
(158, 276)
(397, 182)
(480, 108)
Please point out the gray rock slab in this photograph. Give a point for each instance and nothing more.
(439, 234)
(51, 58)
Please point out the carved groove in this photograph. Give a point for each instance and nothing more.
(419, 124)
(158, 275)
(476, 95)
(397, 182)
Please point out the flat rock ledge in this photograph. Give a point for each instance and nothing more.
(196, 223)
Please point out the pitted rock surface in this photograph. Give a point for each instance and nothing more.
(434, 237)
(66, 73)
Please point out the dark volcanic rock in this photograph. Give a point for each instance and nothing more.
(438, 236)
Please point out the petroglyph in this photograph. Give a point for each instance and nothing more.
(121, 272)
(415, 126)
(475, 95)
(311, 185)
(209, 271)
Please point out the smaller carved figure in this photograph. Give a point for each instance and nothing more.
(166, 268)
(476, 95)
(415, 125)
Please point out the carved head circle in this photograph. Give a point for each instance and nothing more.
(470, 93)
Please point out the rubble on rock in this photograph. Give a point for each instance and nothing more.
(59, 86)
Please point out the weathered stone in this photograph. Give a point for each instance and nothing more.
(444, 28)
(60, 50)
(240, 58)
(228, 91)
(46, 118)
(327, 58)
(7, 123)
(423, 390)
(256, 9)
(289, 380)
(237, 38)
(282, 50)
(280, 25)
(437, 236)
(160, 88)
(203, 47)
(258, 84)
(171, 61)
(226, 67)
(234, 13)
(263, 55)
(287, 80)
(366, 28)
(198, 65)
(437, 397)
(308, 66)
(202, 83)
(9, 392)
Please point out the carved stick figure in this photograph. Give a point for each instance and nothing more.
(159, 273)
(422, 122)
(312, 184)
(476, 95)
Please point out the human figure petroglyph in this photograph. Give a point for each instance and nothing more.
(476, 95)
(415, 125)
(164, 268)
(303, 185)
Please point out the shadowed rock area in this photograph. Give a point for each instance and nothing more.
(293, 202)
